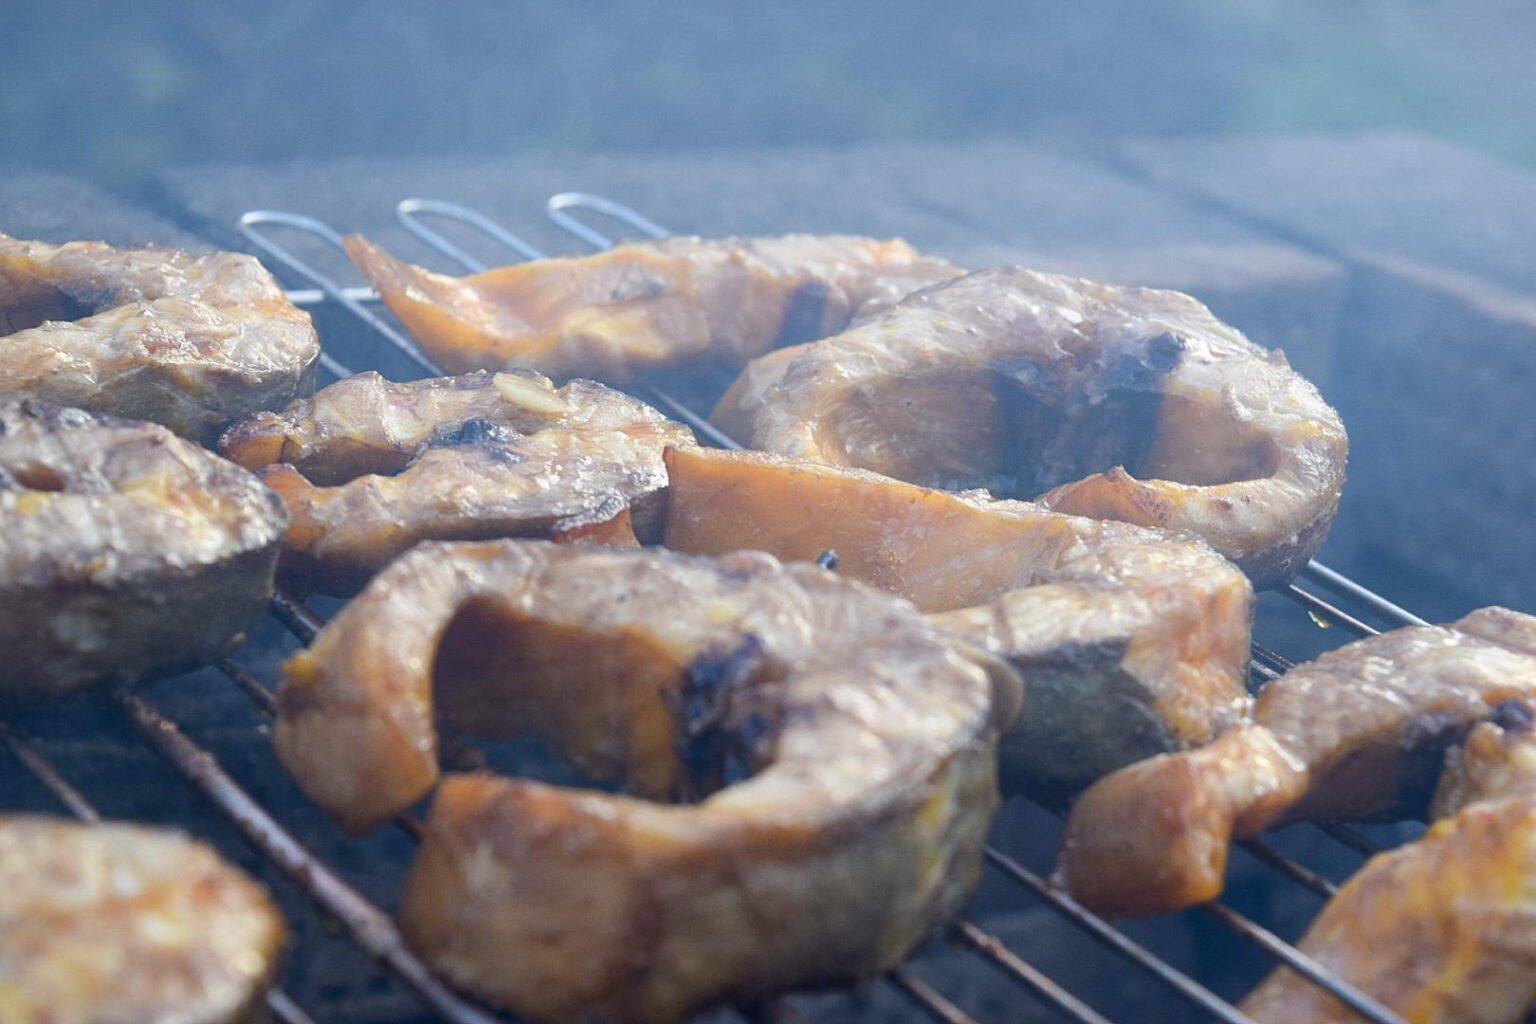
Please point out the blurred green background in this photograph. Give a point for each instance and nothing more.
(117, 91)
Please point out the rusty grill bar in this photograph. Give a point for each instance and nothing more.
(373, 930)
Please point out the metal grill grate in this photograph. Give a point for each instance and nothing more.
(373, 930)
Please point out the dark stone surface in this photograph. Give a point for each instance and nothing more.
(1400, 195)
(54, 208)
(1433, 369)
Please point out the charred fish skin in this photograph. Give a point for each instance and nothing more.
(189, 341)
(1133, 641)
(369, 467)
(1438, 929)
(835, 755)
(123, 549)
(1022, 382)
(1359, 734)
(644, 305)
(113, 922)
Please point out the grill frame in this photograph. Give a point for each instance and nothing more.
(372, 930)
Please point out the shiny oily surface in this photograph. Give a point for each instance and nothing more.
(1439, 929)
(645, 305)
(1104, 401)
(368, 467)
(123, 549)
(1131, 641)
(1357, 734)
(829, 758)
(188, 341)
(123, 924)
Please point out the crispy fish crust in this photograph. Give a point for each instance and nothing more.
(1440, 929)
(369, 468)
(1024, 382)
(109, 923)
(123, 548)
(840, 750)
(647, 304)
(1358, 734)
(189, 341)
(1133, 641)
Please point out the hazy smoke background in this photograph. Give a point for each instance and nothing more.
(118, 91)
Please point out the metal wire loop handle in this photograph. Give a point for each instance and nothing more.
(248, 226)
(559, 204)
(408, 211)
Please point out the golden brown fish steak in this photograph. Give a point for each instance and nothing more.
(833, 752)
(108, 923)
(188, 341)
(1440, 929)
(369, 467)
(1131, 641)
(123, 548)
(1110, 402)
(647, 304)
(1358, 734)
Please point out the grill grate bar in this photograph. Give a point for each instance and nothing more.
(1303, 876)
(259, 692)
(369, 926)
(1302, 964)
(48, 775)
(1191, 990)
(1025, 973)
(701, 426)
(296, 618)
(279, 1002)
(927, 997)
(1342, 584)
(1319, 607)
(1361, 844)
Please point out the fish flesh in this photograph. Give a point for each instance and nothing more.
(190, 341)
(1097, 400)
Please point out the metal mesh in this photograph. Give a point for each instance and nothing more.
(1348, 605)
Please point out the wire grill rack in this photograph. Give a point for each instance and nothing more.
(1326, 595)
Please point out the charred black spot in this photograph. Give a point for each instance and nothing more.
(804, 314)
(744, 748)
(1513, 716)
(709, 680)
(1425, 740)
(44, 304)
(635, 285)
(477, 433)
(1163, 351)
(827, 560)
(714, 751)
(1056, 432)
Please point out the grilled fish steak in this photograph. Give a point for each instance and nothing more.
(836, 752)
(1359, 734)
(369, 468)
(110, 923)
(192, 342)
(1110, 402)
(1440, 929)
(1132, 641)
(647, 304)
(123, 548)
